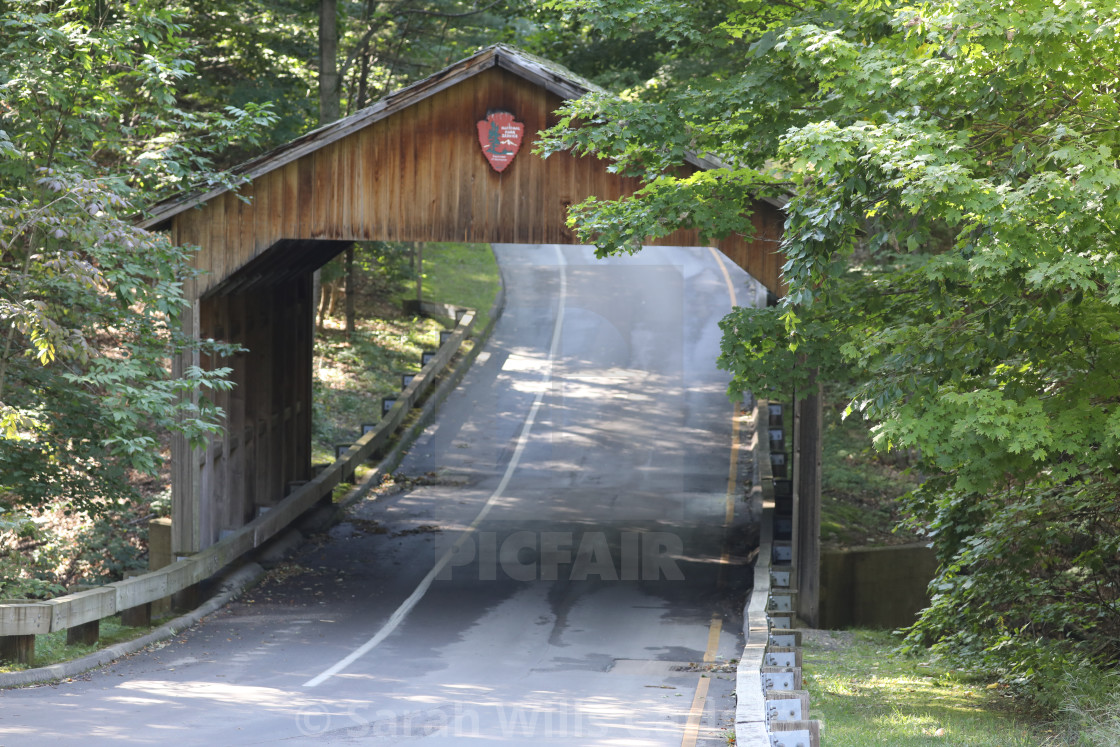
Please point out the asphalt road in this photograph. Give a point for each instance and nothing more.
(564, 565)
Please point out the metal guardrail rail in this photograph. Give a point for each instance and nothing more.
(72, 610)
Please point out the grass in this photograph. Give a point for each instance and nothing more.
(866, 694)
(51, 648)
(1091, 713)
(461, 274)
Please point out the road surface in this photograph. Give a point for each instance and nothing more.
(564, 566)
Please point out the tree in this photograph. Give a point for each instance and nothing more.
(387, 45)
(249, 52)
(951, 256)
(89, 304)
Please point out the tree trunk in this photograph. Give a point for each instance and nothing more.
(329, 102)
(349, 290)
(808, 415)
(329, 91)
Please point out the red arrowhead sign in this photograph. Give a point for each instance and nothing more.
(500, 138)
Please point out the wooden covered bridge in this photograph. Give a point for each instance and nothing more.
(447, 159)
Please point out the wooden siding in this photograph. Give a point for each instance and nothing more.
(266, 442)
(419, 175)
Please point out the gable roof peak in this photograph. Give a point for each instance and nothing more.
(549, 75)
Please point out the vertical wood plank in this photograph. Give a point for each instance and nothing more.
(323, 193)
(367, 197)
(411, 196)
(443, 158)
(263, 211)
(266, 380)
(394, 161)
(231, 251)
(186, 485)
(246, 228)
(355, 163)
(223, 509)
(289, 202)
(305, 196)
(235, 429)
(461, 199)
(303, 365)
(212, 225)
(492, 196)
(414, 170)
(377, 180)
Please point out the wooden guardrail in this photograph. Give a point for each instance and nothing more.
(21, 620)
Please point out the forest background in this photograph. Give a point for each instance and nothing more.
(951, 241)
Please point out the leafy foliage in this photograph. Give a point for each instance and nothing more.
(950, 249)
(89, 302)
(387, 45)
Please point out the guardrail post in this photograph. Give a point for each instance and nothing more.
(139, 616)
(186, 599)
(23, 619)
(159, 556)
(85, 634)
(19, 649)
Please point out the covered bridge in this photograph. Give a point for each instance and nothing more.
(412, 167)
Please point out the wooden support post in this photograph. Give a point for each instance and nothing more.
(186, 495)
(186, 599)
(19, 649)
(351, 291)
(159, 556)
(23, 621)
(808, 413)
(85, 634)
(139, 616)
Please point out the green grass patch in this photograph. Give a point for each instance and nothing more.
(461, 274)
(867, 694)
(52, 648)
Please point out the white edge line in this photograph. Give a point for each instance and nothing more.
(523, 438)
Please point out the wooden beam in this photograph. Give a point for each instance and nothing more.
(808, 413)
(186, 497)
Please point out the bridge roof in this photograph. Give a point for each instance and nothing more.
(410, 168)
(549, 75)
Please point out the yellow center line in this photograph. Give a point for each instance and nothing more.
(713, 638)
(696, 712)
(692, 728)
(733, 467)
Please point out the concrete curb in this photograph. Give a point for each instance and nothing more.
(245, 576)
(231, 587)
(772, 709)
(750, 700)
